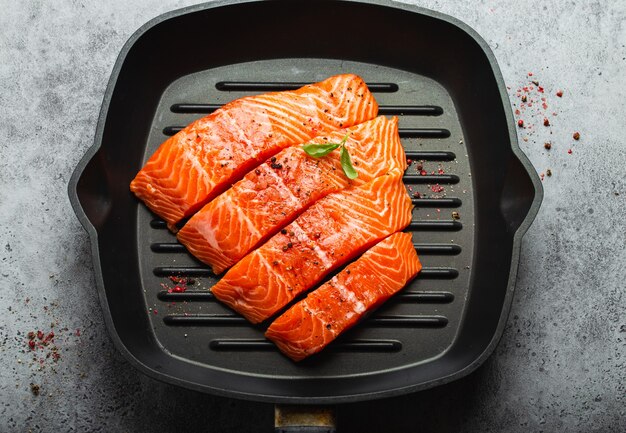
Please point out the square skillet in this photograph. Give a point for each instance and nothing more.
(432, 71)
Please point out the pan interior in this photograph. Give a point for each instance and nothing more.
(416, 326)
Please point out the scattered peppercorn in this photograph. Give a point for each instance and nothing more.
(289, 245)
(273, 159)
(456, 215)
(182, 280)
(417, 194)
(257, 172)
(276, 165)
(546, 122)
(576, 135)
(535, 82)
(34, 389)
(559, 93)
(285, 248)
(547, 145)
(548, 172)
(524, 98)
(520, 123)
(283, 231)
(569, 151)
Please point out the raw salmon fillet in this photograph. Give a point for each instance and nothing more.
(311, 324)
(205, 158)
(271, 196)
(327, 235)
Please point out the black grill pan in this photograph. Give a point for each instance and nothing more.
(477, 198)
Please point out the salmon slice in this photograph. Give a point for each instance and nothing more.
(205, 158)
(327, 235)
(311, 324)
(271, 196)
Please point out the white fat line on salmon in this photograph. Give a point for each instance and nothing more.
(387, 276)
(248, 222)
(365, 211)
(341, 88)
(337, 84)
(357, 306)
(242, 138)
(181, 183)
(361, 228)
(338, 106)
(208, 235)
(207, 231)
(199, 169)
(290, 123)
(292, 198)
(315, 313)
(269, 268)
(291, 134)
(330, 137)
(166, 207)
(352, 103)
(359, 233)
(348, 88)
(365, 110)
(302, 237)
(268, 105)
(377, 164)
(261, 119)
(293, 109)
(306, 316)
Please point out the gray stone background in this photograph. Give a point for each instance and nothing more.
(561, 363)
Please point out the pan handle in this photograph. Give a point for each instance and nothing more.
(304, 419)
(518, 193)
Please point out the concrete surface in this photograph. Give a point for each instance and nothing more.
(561, 363)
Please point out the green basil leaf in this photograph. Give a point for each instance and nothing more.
(319, 150)
(346, 164)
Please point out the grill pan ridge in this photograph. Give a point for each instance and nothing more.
(442, 81)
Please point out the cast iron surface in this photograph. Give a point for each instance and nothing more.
(432, 71)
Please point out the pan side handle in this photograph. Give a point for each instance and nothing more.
(518, 193)
(304, 419)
